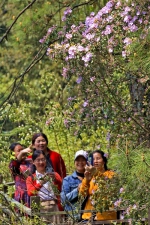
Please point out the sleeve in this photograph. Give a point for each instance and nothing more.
(62, 167)
(14, 167)
(66, 194)
(58, 181)
(84, 188)
(32, 186)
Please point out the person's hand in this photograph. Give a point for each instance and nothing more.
(24, 153)
(44, 179)
(89, 172)
(51, 174)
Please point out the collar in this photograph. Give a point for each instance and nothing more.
(38, 175)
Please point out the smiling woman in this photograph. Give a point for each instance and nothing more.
(54, 161)
(71, 183)
(90, 185)
(43, 184)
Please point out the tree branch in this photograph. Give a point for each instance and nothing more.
(9, 29)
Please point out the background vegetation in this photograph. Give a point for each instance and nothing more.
(102, 105)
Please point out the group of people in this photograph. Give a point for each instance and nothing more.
(39, 171)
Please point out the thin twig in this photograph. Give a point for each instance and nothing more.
(9, 29)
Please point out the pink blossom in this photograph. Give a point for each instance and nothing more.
(85, 103)
(121, 190)
(124, 54)
(68, 36)
(92, 79)
(118, 4)
(118, 202)
(90, 36)
(68, 11)
(127, 41)
(87, 57)
(133, 27)
(80, 48)
(64, 73)
(72, 51)
(127, 18)
(108, 30)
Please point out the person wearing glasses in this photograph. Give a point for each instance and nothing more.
(46, 185)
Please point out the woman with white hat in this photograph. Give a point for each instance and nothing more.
(71, 183)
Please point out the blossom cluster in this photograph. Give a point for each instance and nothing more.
(114, 28)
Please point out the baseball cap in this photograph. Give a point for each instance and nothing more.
(81, 153)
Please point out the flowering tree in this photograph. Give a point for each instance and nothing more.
(108, 54)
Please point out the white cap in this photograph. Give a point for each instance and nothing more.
(81, 153)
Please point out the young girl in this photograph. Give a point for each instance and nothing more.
(18, 166)
(42, 184)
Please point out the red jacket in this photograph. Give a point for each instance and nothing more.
(57, 163)
(33, 187)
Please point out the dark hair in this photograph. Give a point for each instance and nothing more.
(13, 145)
(103, 156)
(35, 155)
(36, 135)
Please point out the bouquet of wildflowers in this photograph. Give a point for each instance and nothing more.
(107, 192)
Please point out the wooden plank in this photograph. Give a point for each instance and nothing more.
(18, 205)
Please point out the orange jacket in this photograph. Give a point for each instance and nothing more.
(87, 189)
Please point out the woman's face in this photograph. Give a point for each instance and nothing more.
(17, 150)
(80, 164)
(40, 144)
(98, 161)
(40, 163)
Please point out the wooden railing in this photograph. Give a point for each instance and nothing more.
(34, 210)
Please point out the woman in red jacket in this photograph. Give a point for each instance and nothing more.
(45, 185)
(55, 163)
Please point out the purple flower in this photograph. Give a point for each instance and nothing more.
(79, 80)
(106, 155)
(127, 9)
(64, 18)
(127, 41)
(108, 30)
(118, 202)
(85, 103)
(127, 18)
(87, 57)
(124, 54)
(121, 190)
(72, 51)
(92, 79)
(80, 48)
(42, 40)
(108, 136)
(68, 36)
(68, 11)
(89, 36)
(64, 73)
(133, 27)
(66, 123)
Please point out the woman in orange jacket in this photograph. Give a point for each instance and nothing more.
(89, 186)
